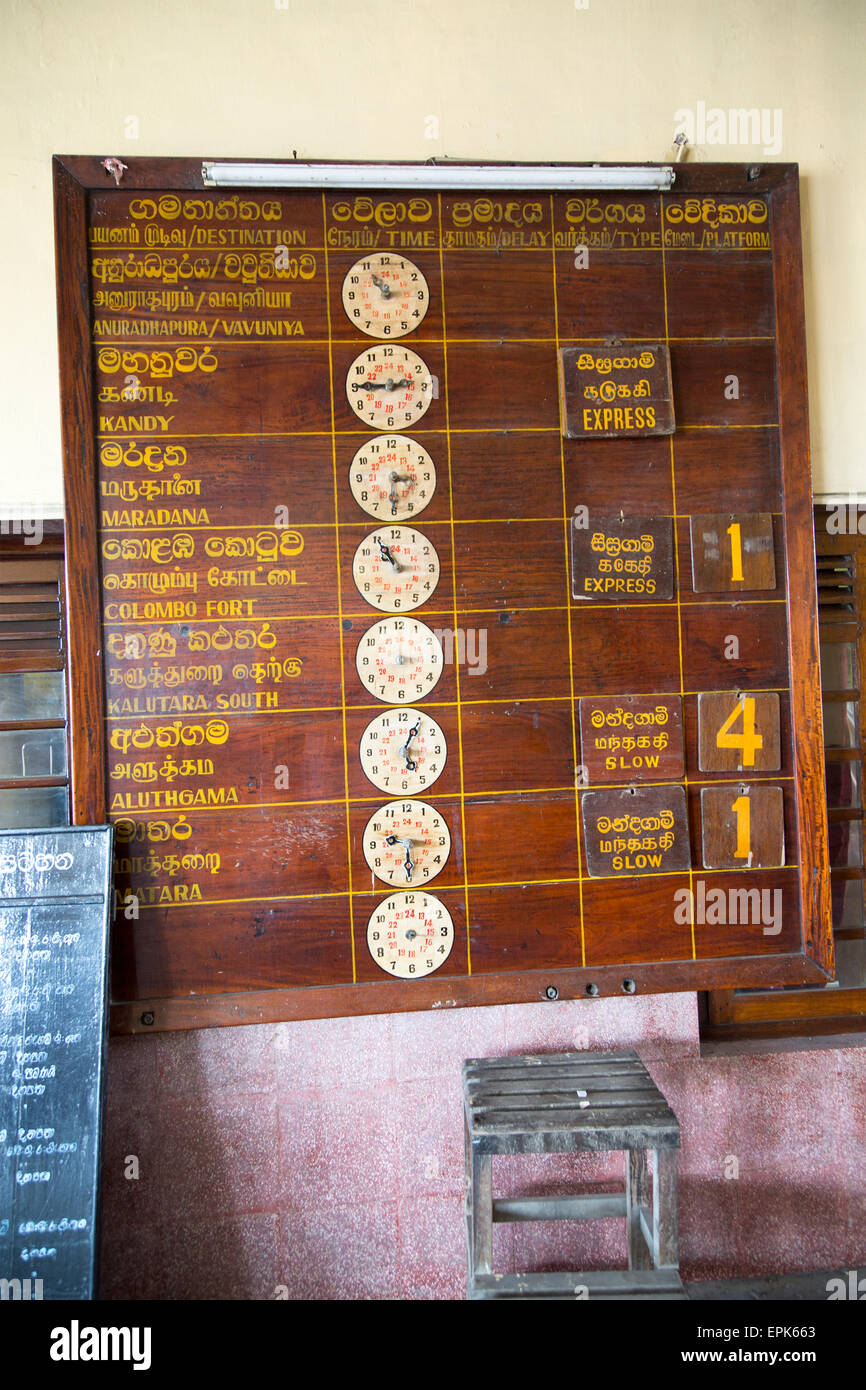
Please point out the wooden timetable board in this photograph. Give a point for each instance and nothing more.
(442, 595)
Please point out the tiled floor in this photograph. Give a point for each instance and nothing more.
(325, 1159)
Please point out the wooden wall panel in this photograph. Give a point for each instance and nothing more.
(213, 478)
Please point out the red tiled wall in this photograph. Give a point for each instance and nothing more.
(327, 1157)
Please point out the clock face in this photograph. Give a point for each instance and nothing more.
(389, 387)
(392, 478)
(410, 934)
(399, 660)
(385, 295)
(406, 842)
(396, 569)
(402, 751)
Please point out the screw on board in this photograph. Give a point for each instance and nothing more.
(551, 992)
(147, 1019)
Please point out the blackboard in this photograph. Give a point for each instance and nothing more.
(54, 893)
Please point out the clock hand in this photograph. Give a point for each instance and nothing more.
(381, 285)
(393, 497)
(389, 385)
(385, 553)
(408, 862)
(404, 751)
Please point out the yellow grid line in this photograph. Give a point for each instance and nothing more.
(457, 429)
(147, 813)
(679, 602)
(102, 250)
(143, 342)
(444, 704)
(330, 525)
(339, 598)
(566, 530)
(456, 647)
(431, 613)
(456, 887)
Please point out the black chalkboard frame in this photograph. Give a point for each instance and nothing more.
(33, 865)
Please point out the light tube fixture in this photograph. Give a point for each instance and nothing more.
(504, 177)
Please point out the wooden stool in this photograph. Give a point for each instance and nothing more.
(573, 1102)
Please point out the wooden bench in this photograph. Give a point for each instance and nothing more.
(573, 1102)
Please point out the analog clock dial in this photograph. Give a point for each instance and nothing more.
(410, 934)
(407, 842)
(389, 387)
(396, 569)
(392, 478)
(402, 751)
(399, 660)
(385, 295)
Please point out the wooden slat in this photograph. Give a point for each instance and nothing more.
(637, 1203)
(34, 661)
(25, 783)
(182, 172)
(481, 1223)
(20, 629)
(665, 1232)
(805, 697)
(601, 1104)
(560, 1081)
(582, 1206)
(564, 1118)
(47, 611)
(28, 593)
(82, 591)
(29, 571)
(495, 1076)
(549, 1059)
(592, 1285)
(231, 1007)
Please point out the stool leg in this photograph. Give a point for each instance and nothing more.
(467, 1203)
(665, 1243)
(481, 1215)
(637, 1196)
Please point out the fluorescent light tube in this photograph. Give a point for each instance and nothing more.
(226, 174)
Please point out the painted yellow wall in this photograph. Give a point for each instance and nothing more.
(354, 79)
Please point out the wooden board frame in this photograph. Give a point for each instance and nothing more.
(75, 178)
(732, 1017)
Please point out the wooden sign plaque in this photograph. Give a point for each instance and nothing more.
(619, 557)
(622, 392)
(334, 668)
(636, 739)
(635, 831)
